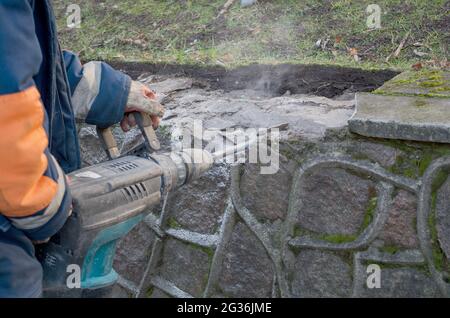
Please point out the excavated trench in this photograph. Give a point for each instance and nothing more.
(242, 217)
(305, 100)
(318, 80)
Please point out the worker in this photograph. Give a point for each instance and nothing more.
(43, 91)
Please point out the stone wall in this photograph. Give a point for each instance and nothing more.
(308, 231)
(339, 203)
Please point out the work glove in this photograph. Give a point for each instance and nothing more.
(141, 99)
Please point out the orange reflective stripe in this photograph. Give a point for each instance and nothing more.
(23, 188)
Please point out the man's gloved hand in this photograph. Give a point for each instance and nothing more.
(141, 99)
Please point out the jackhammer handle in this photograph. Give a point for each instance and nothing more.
(109, 143)
(145, 124)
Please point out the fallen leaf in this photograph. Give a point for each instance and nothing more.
(353, 51)
(417, 66)
(338, 39)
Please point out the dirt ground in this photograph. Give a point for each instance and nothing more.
(274, 79)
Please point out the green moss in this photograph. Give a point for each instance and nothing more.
(415, 82)
(370, 211)
(401, 81)
(443, 150)
(337, 238)
(405, 167)
(298, 231)
(433, 94)
(173, 223)
(430, 153)
(424, 269)
(435, 75)
(439, 180)
(415, 77)
(331, 238)
(440, 89)
(431, 83)
(207, 250)
(415, 157)
(149, 292)
(424, 162)
(390, 249)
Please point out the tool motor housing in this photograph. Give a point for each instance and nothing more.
(109, 199)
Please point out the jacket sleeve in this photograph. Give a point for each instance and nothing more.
(99, 93)
(34, 196)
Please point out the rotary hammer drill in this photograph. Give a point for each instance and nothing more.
(109, 199)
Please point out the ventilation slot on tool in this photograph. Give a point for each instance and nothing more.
(135, 192)
(123, 166)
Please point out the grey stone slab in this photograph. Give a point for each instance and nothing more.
(366, 236)
(400, 228)
(247, 270)
(266, 195)
(171, 85)
(383, 154)
(321, 274)
(402, 282)
(334, 202)
(402, 117)
(133, 253)
(184, 266)
(200, 205)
